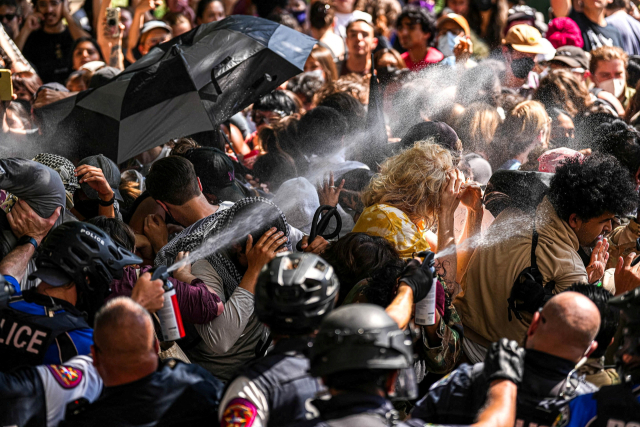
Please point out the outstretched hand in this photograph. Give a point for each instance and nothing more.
(265, 249)
(328, 193)
(627, 277)
(598, 261)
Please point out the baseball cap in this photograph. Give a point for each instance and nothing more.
(110, 171)
(93, 66)
(216, 173)
(458, 19)
(103, 76)
(441, 133)
(552, 159)
(152, 25)
(572, 56)
(521, 13)
(526, 39)
(480, 167)
(358, 16)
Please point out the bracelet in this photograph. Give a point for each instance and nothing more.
(107, 203)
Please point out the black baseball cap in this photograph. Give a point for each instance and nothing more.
(111, 173)
(572, 56)
(216, 173)
(441, 133)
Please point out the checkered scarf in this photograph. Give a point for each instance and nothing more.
(195, 235)
(65, 169)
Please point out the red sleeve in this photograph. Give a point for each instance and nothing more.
(197, 304)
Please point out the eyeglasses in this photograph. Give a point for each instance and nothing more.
(8, 17)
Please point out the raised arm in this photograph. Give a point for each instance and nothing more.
(561, 7)
(75, 29)
(446, 265)
(110, 45)
(25, 222)
(136, 26)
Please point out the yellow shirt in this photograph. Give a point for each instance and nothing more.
(395, 226)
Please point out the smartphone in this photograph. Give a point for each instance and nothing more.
(6, 86)
(113, 21)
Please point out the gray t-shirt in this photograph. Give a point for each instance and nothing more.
(230, 340)
(629, 29)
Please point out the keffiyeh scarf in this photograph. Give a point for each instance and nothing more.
(192, 237)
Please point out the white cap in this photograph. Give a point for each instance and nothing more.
(93, 66)
(152, 25)
(359, 15)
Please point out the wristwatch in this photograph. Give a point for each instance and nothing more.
(25, 240)
(107, 202)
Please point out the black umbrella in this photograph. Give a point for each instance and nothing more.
(188, 85)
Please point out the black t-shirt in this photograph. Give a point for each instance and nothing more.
(50, 54)
(594, 35)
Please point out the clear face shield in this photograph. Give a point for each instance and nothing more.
(406, 387)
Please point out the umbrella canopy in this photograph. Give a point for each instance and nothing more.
(188, 85)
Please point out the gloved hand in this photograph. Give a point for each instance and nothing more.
(418, 279)
(504, 361)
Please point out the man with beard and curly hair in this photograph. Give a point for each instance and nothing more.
(582, 200)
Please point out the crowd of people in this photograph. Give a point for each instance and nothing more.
(477, 158)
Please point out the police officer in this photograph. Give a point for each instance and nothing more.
(616, 405)
(365, 359)
(139, 389)
(37, 396)
(47, 325)
(558, 339)
(294, 292)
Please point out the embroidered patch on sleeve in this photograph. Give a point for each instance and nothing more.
(239, 413)
(66, 376)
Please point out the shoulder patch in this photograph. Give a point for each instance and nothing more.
(239, 413)
(67, 376)
(563, 417)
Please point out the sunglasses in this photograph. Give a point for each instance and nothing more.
(8, 17)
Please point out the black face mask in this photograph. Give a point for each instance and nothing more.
(522, 67)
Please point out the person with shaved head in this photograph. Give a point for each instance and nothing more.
(139, 389)
(561, 336)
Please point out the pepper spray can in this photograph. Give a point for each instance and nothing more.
(425, 314)
(169, 315)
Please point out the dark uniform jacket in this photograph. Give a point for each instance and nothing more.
(274, 388)
(36, 329)
(176, 394)
(459, 397)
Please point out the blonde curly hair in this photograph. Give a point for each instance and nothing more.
(412, 181)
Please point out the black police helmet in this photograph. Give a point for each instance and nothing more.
(360, 336)
(75, 250)
(294, 292)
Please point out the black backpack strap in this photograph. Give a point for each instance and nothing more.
(534, 260)
(529, 286)
(66, 347)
